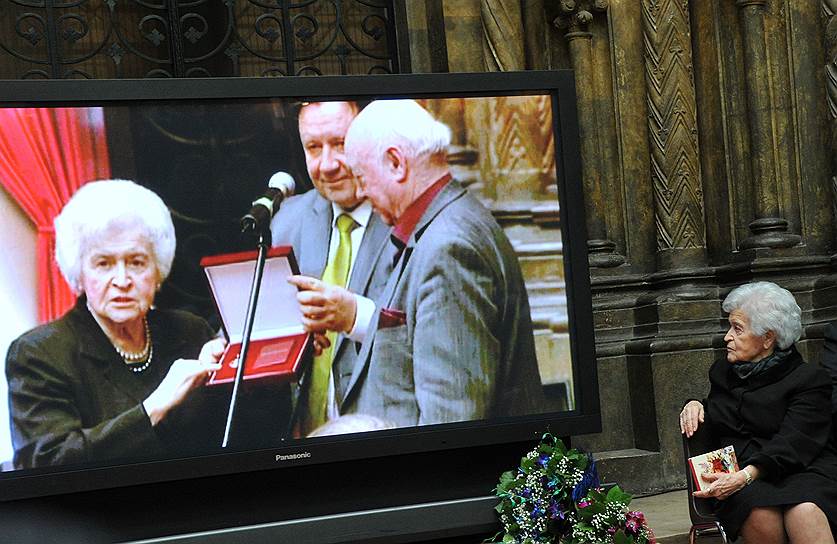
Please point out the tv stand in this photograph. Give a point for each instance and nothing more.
(401, 524)
(414, 497)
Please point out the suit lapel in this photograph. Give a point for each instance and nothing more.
(448, 194)
(451, 192)
(314, 238)
(362, 360)
(375, 240)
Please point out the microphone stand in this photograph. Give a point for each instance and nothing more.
(264, 244)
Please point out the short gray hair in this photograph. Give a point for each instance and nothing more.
(769, 308)
(403, 123)
(100, 206)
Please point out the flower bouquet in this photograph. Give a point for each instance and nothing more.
(555, 497)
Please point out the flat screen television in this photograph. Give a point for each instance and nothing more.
(207, 147)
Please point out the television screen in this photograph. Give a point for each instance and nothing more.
(466, 322)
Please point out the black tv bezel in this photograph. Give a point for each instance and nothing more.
(583, 419)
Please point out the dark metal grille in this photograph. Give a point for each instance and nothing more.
(195, 38)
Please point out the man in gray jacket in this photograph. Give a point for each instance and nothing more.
(453, 339)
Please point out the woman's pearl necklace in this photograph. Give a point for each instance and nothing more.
(139, 361)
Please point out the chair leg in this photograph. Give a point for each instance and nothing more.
(692, 534)
(721, 530)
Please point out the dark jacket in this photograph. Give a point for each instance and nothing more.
(779, 420)
(829, 361)
(73, 400)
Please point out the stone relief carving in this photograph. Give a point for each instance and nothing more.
(672, 123)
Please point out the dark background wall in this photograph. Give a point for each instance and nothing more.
(707, 139)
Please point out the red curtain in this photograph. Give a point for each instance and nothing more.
(45, 155)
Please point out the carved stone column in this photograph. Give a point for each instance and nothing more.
(536, 30)
(672, 128)
(502, 25)
(575, 19)
(517, 150)
(830, 10)
(769, 229)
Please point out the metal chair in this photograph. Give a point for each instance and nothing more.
(704, 521)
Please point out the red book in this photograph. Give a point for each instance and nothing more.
(279, 345)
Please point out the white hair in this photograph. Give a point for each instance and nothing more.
(100, 206)
(769, 308)
(402, 123)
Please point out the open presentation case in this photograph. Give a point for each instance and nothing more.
(279, 346)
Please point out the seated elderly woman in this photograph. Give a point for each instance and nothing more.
(113, 378)
(776, 411)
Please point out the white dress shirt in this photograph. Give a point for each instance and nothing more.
(365, 306)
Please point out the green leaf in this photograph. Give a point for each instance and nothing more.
(617, 495)
(619, 537)
(596, 508)
(508, 538)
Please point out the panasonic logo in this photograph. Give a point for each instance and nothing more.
(293, 456)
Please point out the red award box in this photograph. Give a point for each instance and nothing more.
(278, 343)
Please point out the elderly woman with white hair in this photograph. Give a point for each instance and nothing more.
(775, 410)
(113, 378)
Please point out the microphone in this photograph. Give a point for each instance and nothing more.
(280, 186)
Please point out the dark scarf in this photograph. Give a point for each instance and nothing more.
(750, 369)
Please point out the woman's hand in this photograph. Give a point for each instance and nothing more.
(184, 376)
(722, 485)
(691, 417)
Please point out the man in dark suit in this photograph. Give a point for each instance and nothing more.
(338, 243)
(453, 340)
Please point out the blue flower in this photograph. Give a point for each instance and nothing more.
(536, 512)
(589, 480)
(555, 511)
(543, 459)
(527, 493)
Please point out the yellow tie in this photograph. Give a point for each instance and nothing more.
(336, 273)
